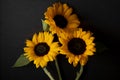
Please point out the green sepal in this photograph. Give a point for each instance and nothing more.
(45, 25)
(21, 61)
(100, 47)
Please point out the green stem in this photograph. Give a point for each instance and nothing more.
(79, 73)
(58, 70)
(48, 73)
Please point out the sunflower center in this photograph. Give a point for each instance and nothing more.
(76, 46)
(41, 49)
(60, 21)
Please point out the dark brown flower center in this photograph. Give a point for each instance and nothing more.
(76, 46)
(60, 21)
(41, 49)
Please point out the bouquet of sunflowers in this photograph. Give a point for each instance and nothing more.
(61, 34)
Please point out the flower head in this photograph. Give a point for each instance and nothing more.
(77, 46)
(41, 49)
(60, 17)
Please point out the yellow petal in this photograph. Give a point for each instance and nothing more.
(49, 39)
(88, 52)
(93, 44)
(76, 59)
(89, 47)
(26, 49)
(63, 35)
(41, 37)
(31, 59)
(72, 17)
(65, 8)
(29, 43)
(75, 21)
(73, 25)
(87, 36)
(54, 45)
(79, 33)
(63, 41)
(55, 7)
(50, 12)
(46, 58)
(60, 9)
(50, 58)
(90, 40)
(83, 33)
(75, 64)
(70, 60)
(43, 63)
(68, 12)
(53, 54)
(47, 21)
(93, 49)
(75, 34)
(83, 60)
(36, 63)
(34, 39)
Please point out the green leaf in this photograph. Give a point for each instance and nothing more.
(100, 47)
(45, 26)
(21, 61)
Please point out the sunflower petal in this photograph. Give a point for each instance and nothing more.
(50, 58)
(75, 64)
(73, 25)
(49, 39)
(65, 8)
(36, 63)
(72, 17)
(46, 35)
(70, 60)
(87, 36)
(27, 49)
(83, 33)
(34, 39)
(41, 37)
(89, 47)
(60, 9)
(93, 49)
(43, 63)
(89, 41)
(55, 6)
(79, 33)
(46, 58)
(83, 60)
(29, 43)
(50, 12)
(88, 52)
(68, 12)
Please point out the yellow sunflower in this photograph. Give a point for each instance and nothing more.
(77, 46)
(59, 17)
(41, 49)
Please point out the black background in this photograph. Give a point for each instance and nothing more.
(20, 19)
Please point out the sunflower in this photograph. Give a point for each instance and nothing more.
(77, 46)
(41, 49)
(59, 17)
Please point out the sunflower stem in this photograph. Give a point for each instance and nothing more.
(79, 73)
(48, 73)
(58, 69)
